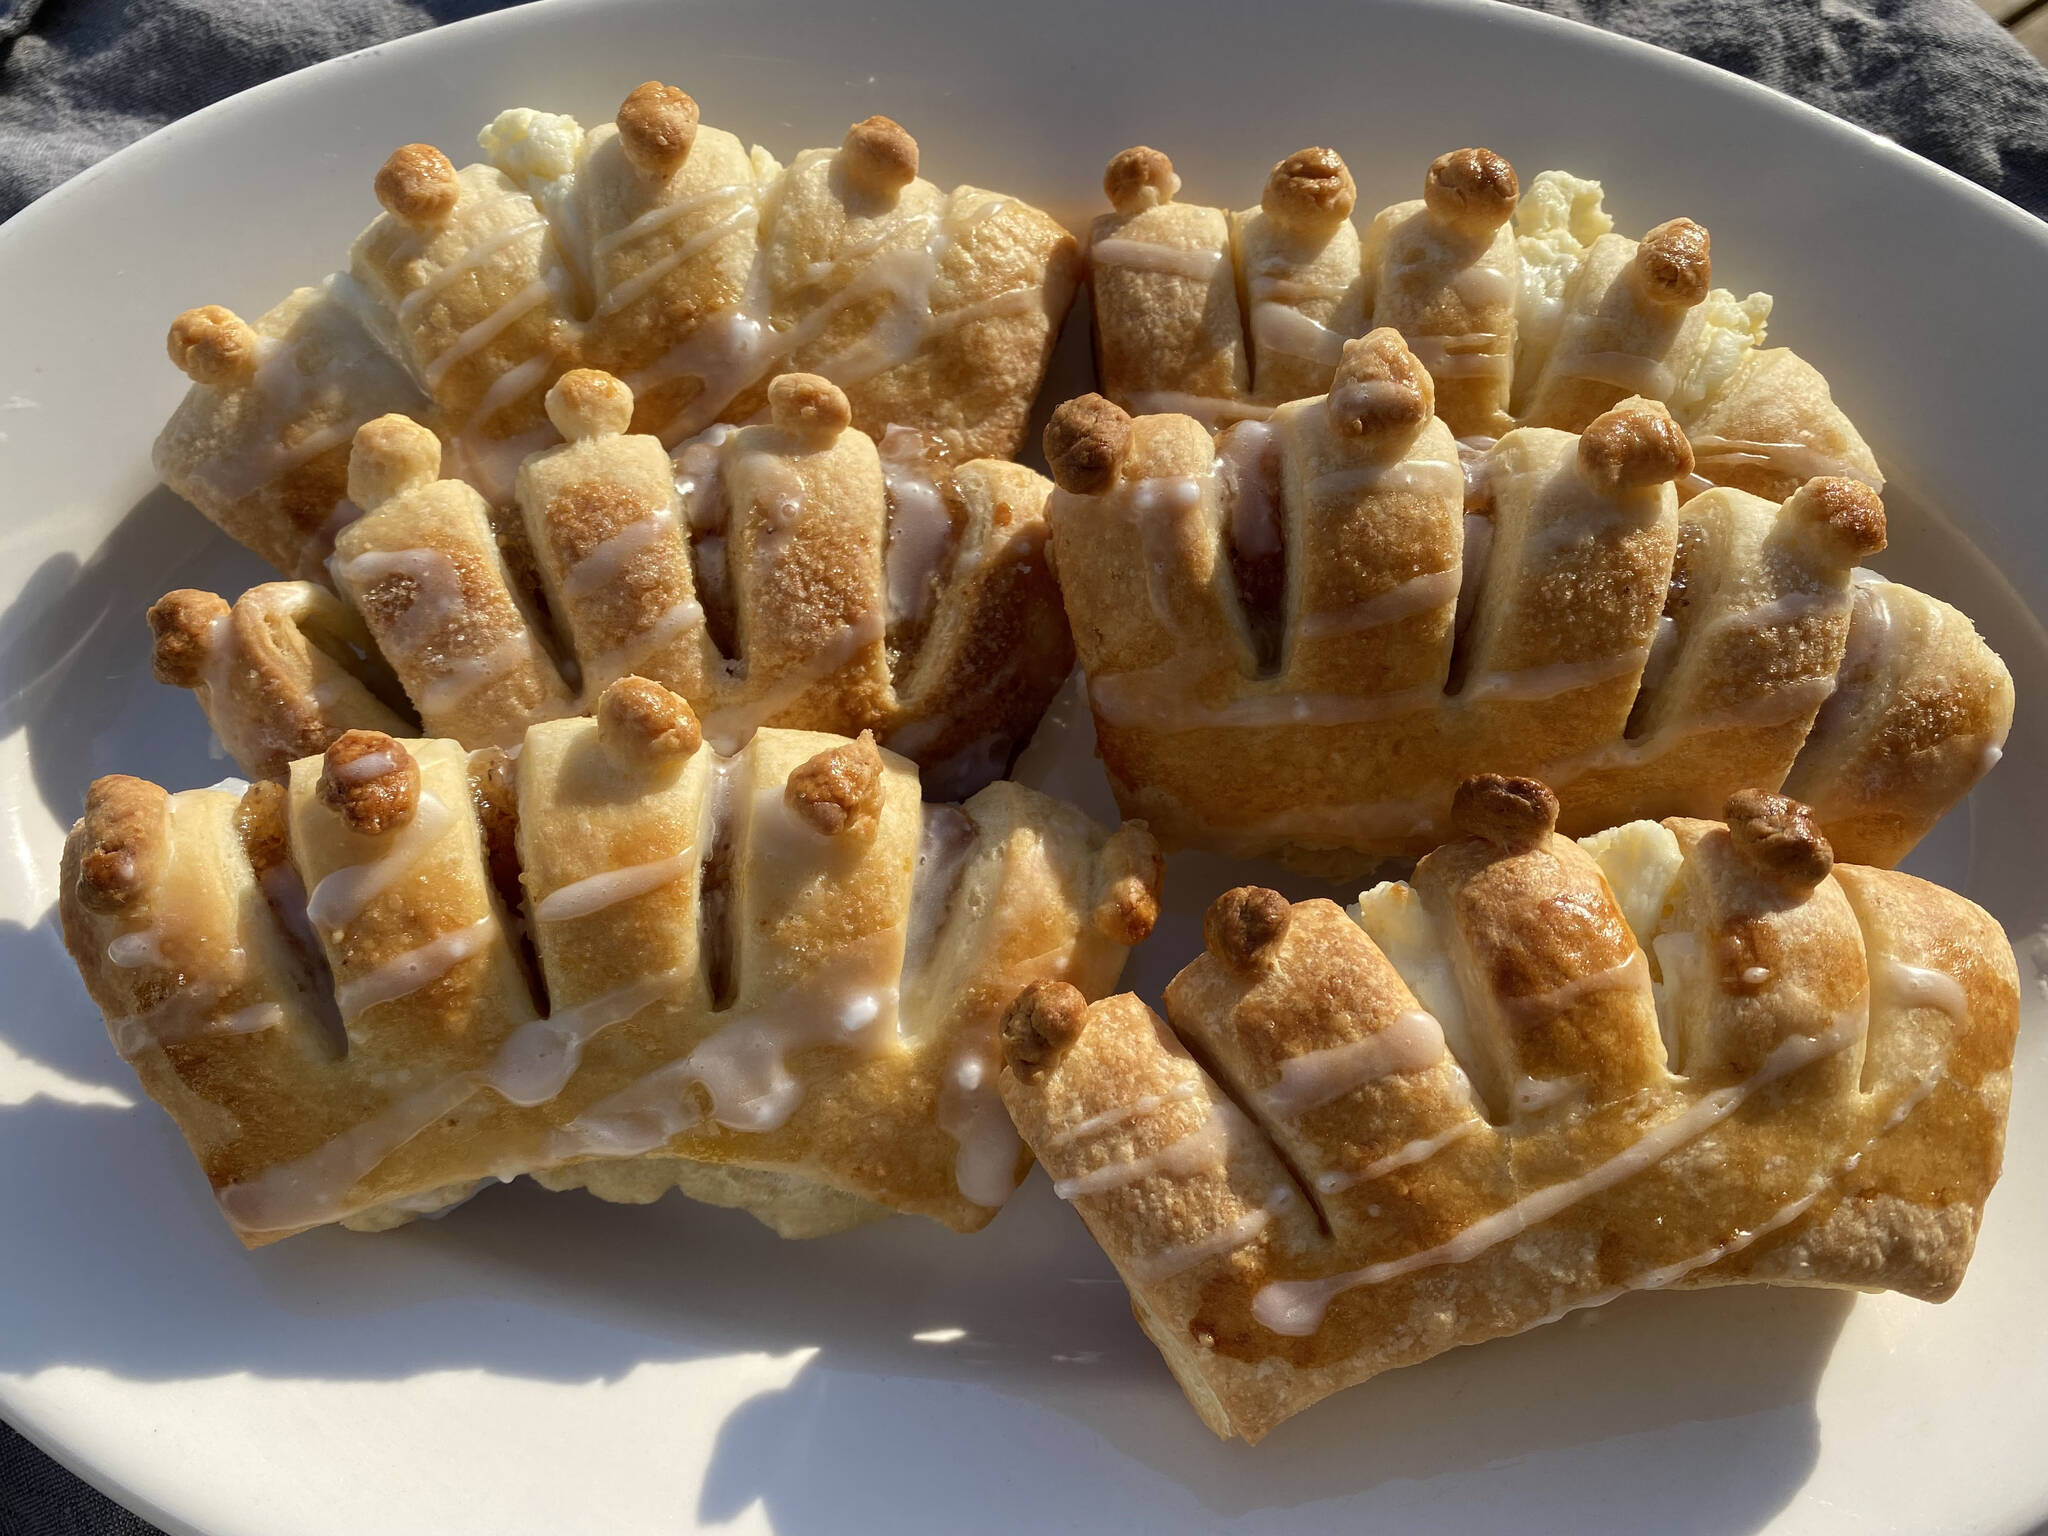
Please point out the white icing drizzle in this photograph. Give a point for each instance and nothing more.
(137, 947)
(661, 630)
(1621, 370)
(1422, 476)
(1917, 986)
(1474, 355)
(1413, 1042)
(594, 893)
(463, 676)
(636, 287)
(1144, 1104)
(1629, 975)
(472, 258)
(1798, 460)
(600, 568)
(1483, 286)
(537, 1060)
(1418, 594)
(407, 973)
(921, 529)
(182, 1018)
(1205, 1148)
(1211, 411)
(1534, 684)
(1289, 332)
(971, 1112)
(729, 727)
(342, 894)
(485, 331)
(1156, 699)
(360, 770)
(1296, 1307)
(1533, 1095)
(662, 217)
(1420, 1150)
(1150, 256)
(437, 601)
(1168, 1262)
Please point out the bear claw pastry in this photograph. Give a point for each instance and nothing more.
(1301, 634)
(658, 248)
(792, 573)
(1523, 304)
(1539, 1075)
(620, 960)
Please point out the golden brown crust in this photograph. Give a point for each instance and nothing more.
(642, 723)
(417, 185)
(1132, 870)
(1243, 927)
(880, 156)
(839, 792)
(1041, 1025)
(1776, 837)
(1513, 814)
(1380, 390)
(261, 825)
(213, 346)
(370, 781)
(1138, 178)
(391, 455)
(1310, 189)
(181, 627)
(1674, 264)
(1634, 445)
(1850, 513)
(122, 842)
(587, 402)
(811, 409)
(657, 125)
(1472, 190)
(1085, 442)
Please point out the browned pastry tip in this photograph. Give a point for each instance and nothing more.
(1849, 512)
(588, 402)
(1132, 871)
(417, 185)
(880, 156)
(1514, 814)
(1243, 926)
(1776, 837)
(1140, 177)
(1042, 1022)
(1674, 263)
(370, 781)
(390, 456)
(123, 837)
(1634, 445)
(640, 723)
(1085, 443)
(213, 346)
(181, 629)
(1310, 189)
(1472, 190)
(839, 790)
(811, 409)
(1381, 388)
(657, 126)
(260, 824)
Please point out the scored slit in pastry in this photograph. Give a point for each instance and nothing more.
(657, 248)
(1301, 634)
(1536, 1077)
(793, 573)
(770, 979)
(1527, 308)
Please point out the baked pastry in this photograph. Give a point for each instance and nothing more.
(793, 573)
(1541, 1075)
(771, 980)
(658, 248)
(1301, 635)
(1526, 307)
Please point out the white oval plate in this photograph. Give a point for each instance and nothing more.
(542, 1363)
